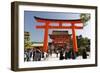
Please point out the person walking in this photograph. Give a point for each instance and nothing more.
(34, 53)
(61, 55)
(84, 54)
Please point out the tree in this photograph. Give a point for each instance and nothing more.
(27, 41)
(83, 43)
(85, 17)
(27, 44)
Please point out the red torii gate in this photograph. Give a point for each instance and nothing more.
(60, 22)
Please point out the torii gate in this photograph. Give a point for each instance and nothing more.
(46, 27)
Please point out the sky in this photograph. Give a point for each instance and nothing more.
(37, 35)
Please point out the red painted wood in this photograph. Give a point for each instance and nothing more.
(74, 39)
(45, 45)
(60, 27)
(38, 19)
(46, 27)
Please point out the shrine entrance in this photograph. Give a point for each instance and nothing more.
(47, 26)
(60, 39)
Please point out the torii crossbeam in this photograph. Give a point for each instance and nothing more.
(46, 27)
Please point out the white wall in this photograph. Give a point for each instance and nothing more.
(5, 40)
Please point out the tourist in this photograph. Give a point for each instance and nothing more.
(45, 55)
(61, 55)
(33, 53)
(66, 55)
(37, 55)
(30, 54)
(50, 52)
(42, 54)
(56, 51)
(84, 54)
(73, 55)
(25, 55)
(67, 52)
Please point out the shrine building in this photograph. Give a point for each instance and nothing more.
(60, 38)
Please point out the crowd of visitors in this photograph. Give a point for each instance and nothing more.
(36, 54)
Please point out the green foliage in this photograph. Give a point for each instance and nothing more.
(27, 42)
(83, 43)
(85, 18)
